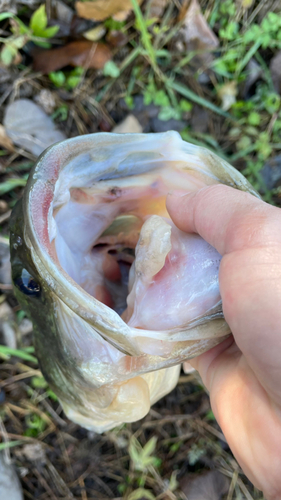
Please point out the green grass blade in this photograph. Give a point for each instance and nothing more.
(144, 34)
(9, 444)
(248, 56)
(8, 351)
(11, 184)
(181, 89)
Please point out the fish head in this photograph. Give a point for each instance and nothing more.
(118, 295)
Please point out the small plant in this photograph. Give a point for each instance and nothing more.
(36, 32)
(67, 79)
(142, 457)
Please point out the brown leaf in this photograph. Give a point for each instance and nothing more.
(99, 10)
(196, 31)
(5, 141)
(275, 70)
(80, 53)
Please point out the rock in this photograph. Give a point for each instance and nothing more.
(128, 126)
(34, 452)
(10, 487)
(165, 125)
(29, 127)
(210, 486)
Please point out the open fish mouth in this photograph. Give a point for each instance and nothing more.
(122, 294)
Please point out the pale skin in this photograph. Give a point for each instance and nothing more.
(243, 374)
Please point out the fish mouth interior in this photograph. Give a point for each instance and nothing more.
(97, 231)
(95, 227)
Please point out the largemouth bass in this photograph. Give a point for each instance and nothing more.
(118, 295)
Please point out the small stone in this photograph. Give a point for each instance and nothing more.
(30, 127)
(128, 126)
(10, 487)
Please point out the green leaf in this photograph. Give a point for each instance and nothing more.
(11, 184)
(141, 493)
(161, 99)
(39, 383)
(58, 78)
(167, 113)
(8, 351)
(149, 447)
(72, 81)
(9, 444)
(39, 20)
(254, 118)
(7, 55)
(6, 15)
(110, 69)
(185, 105)
(49, 32)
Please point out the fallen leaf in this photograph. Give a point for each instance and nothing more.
(30, 127)
(210, 486)
(128, 126)
(157, 8)
(275, 70)
(196, 32)
(79, 53)
(227, 93)
(98, 10)
(5, 141)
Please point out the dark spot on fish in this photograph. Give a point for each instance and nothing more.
(27, 284)
(116, 192)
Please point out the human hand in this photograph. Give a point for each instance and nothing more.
(243, 373)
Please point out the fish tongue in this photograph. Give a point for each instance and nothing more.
(151, 251)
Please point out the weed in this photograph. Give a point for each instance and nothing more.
(36, 32)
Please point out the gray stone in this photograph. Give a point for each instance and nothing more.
(30, 127)
(10, 487)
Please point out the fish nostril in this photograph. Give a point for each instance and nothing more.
(27, 284)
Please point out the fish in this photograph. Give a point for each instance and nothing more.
(118, 295)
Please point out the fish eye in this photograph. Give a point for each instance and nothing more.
(27, 284)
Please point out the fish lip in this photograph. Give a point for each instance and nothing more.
(44, 176)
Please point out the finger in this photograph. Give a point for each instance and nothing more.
(227, 218)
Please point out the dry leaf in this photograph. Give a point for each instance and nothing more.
(80, 53)
(5, 141)
(275, 70)
(196, 32)
(98, 10)
(157, 8)
(128, 126)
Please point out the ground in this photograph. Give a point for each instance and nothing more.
(210, 70)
